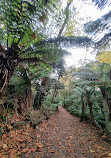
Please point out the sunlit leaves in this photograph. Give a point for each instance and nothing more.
(70, 29)
(104, 57)
(66, 80)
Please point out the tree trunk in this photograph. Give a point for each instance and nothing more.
(106, 111)
(26, 102)
(29, 98)
(91, 113)
(54, 95)
(16, 105)
(90, 104)
(83, 108)
(8, 63)
(45, 83)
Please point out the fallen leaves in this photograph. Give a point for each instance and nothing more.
(38, 136)
(80, 131)
(27, 155)
(5, 146)
(23, 145)
(70, 137)
(10, 127)
(103, 136)
(25, 150)
(33, 150)
(52, 151)
(92, 151)
(109, 154)
(99, 147)
(19, 141)
(70, 150)
(62, 136)
(40, 145)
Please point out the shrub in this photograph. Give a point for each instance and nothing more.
(74, 110)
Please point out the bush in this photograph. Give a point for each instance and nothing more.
(74, 110)
(99, 117)
(86, 114)
(33, 117)
(48, 102)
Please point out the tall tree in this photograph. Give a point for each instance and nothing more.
(20, 24)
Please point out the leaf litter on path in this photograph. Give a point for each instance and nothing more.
(62, 136)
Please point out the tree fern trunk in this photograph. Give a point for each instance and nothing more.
(106, 110)
(91, 113)
(83, 108)
(8, 63)
(106, 113)
(27, 101)
(45, 83)
(90, 104)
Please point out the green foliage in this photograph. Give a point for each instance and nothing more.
(73, 104)
(99, 116)
(83, 97)
(54, 84)
(75, 110)
(48, 102)
(33, 116)
(21, 81)
(19, 17)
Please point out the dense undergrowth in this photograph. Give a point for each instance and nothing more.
(87, 94)
(73, 104)
(32, 116)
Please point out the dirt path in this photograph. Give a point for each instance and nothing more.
(64, 136)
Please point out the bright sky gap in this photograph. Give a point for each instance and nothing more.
(87, 12)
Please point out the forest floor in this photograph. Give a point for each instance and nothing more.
(62, 136)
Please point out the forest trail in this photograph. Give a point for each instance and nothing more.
(64, 136)
(61, 136)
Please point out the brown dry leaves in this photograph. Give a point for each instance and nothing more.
(19, 142)
(62, 136)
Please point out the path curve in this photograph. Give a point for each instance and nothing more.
(64, 136)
